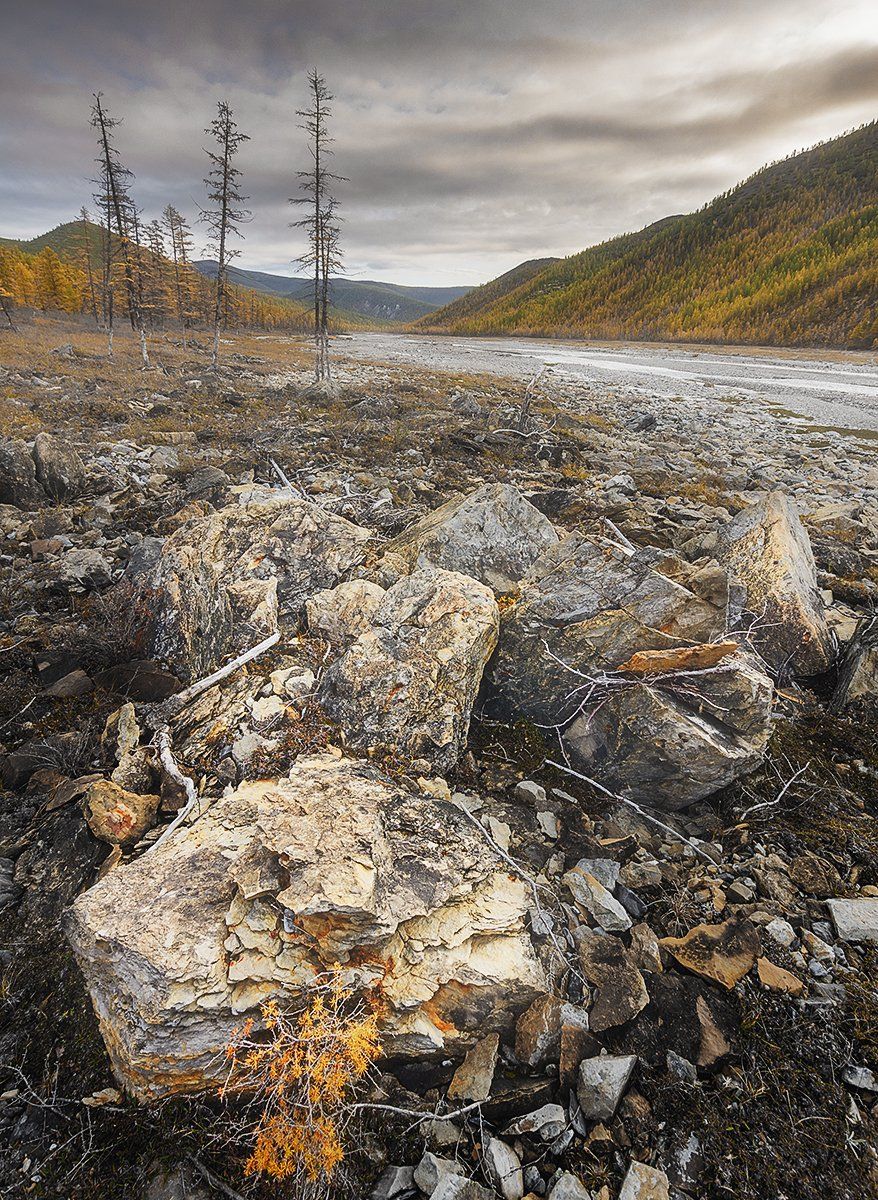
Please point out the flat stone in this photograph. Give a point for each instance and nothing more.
(545, 1123)
(855, 920)
(538, 1032)
(620, 990)
(567, 1186)
(394, 1182)
(777, 979)
(724, 953)
(473, 1078)
(503, 1167)
(432, 1169)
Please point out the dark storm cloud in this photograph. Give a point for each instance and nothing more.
(475, 133)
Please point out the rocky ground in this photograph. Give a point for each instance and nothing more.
(558, 744)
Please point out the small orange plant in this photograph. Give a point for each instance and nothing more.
(301, 1069)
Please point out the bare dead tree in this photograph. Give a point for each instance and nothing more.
(85, 248)
(223, 220)
(180, 239)
(115, 181)
(320, 222)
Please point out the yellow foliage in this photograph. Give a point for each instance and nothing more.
(301, 1069)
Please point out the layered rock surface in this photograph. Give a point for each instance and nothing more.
(408, 683)
(766, 546)
(227, 579)
(493, 534)
(277, 883)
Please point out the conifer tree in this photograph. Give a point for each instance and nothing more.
(180, 239)
(320, 222)
(223, 219)
(115, 182)
(85, 255)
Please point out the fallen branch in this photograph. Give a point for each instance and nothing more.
(631, 804)
(195, 689)
(163, 746)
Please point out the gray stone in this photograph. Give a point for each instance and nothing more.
(455, 1187)
(676, 739)
(503, 1167)
(432, 1169)
(567, 1186)
(394, 1182)
(409, 683)
(598, 902)
(588, 607)
(530, 792)
(493, 534)
(59, 469)
(546, 1123)
(227, 580)
(855, 920)
(605, 870)
(175, 945)
(767, 548)
(860, 1077)
(601, 1084)
(18, 481)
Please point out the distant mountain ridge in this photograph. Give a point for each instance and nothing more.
(788, 257)
(385, 302)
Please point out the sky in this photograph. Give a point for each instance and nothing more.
(474, 134)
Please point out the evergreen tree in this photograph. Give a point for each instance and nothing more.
(223, 220)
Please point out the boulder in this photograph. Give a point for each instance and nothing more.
(858, 670)
(409, 682)
(766, 547)
(493, 534)
(341, 614)
(18, 480)
(59, 469)
(586, 608)
(277, 882)
(226, 580)
(676, 738)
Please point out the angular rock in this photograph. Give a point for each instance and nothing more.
(724, 953)
(408, 684)
(473, 1078)
(18, 481)
(766, 547)
(503, 1167)
(858, 671)
(341, 614)
(598, 902)
(601, 1084)
(117, 816)
(568, 1186)
(226, 580)
(777, 979)
(493, 534)
(432, 1169)
(456, 1187)
(280, 880)
(78, 570)
(644, 1183)
(59, 469)
(394, 1183)
(680, 738)
(855, 920)
(621, 993)
(546, 1123)
(588, 607)
(538, 1032)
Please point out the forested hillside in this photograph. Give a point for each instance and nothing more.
(489, 293)
(384, 303)
(60, 271)
(789, 257)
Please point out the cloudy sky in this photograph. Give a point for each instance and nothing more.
(474, 133)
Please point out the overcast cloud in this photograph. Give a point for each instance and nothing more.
(474, 133)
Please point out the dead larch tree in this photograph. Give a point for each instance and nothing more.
(114, 199)
(323, 256)
(227, 212)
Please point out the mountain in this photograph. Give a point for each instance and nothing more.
(472, 302)
(384, 302)
(66, 240)
(789, 257)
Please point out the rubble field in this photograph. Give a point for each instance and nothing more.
(544, 718)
